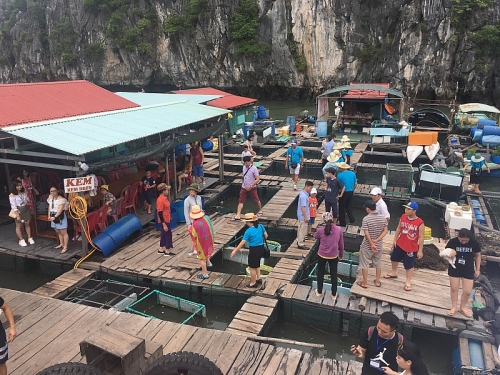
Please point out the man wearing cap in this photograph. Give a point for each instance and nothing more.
(332, 160)
(326, 148)
(333, 191)
(408, 240)
(477, 164)
(374, 228)
(251, 178)
(294, 160)
(376, 194)
(303, 215)
(348, 178)
(193, 199)
(164, 218)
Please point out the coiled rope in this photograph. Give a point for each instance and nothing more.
(78, 210)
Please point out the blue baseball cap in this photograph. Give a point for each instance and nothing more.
(294, 141)
(411, 206)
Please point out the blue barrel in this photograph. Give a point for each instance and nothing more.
(476, 137)
(491, 130)
(261, 112)
(485, 122)
(179, 206)
(180, 147)
(476, 354)
(246, 129)
(114, 235)
(290, 120)
(321, 128)
(207, 145)
(173, 218)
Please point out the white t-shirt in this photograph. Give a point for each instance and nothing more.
(382, 208)
(246, 153)
(57, 202)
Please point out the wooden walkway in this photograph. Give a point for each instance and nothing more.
(61, 286)
(50, 331)
(253, 316)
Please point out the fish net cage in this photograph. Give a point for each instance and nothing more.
(398, 179)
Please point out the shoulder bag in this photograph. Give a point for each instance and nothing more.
(267, 252)
(12, 214)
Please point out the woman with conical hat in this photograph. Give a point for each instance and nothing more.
(202, 234)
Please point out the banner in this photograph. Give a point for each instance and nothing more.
(78, 184)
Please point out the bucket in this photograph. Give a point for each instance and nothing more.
(207, 146)
(305, 128)
(290, 120)
(114, 235)
(298, 128)
(321, 127)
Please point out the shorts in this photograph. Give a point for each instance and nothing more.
(461, 272)
(311, 221)
(333, 207)
(244, 193)
(147, 196)
(4, 352)
(475, 178)
(295, 170)
(255, 255)
(197, 170)
(398, 255)
(368, 257)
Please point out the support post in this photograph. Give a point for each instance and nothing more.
(221, 158)
(167, 178)
(7, 173)
(175, 174)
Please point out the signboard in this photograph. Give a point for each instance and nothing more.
(78, 184)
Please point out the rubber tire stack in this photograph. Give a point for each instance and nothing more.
(183, 362)
(71, 368)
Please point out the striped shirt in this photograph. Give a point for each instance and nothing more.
(374, 224)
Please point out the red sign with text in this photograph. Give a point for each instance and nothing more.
(78, 184)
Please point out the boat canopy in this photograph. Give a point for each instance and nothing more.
(477, 107)
(356, 86)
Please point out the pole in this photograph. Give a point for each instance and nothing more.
(167, 177)
(175, 174)
(221, 158)
(7, 173)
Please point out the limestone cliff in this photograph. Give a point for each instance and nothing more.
(280, 48)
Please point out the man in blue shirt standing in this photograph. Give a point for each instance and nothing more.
(303, 215)
(294, 160)
(348, 178)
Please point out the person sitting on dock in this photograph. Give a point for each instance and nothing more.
(245, 152)
(331, 250)
(408, 240)
(303, 215)
(4, 353)
(333, 191)
(409, 359)
(202, 235)
(193, 199)
(378, 345)
(477, 164)
(467, 253)
(332, 160)
(255, 235)
(251, 178)
(374, 228)
(108, 199)
(326, 148)
(348, 178)
(294, 160)
(376, 194)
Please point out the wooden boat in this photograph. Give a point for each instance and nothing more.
(413, 152)
(474, 114)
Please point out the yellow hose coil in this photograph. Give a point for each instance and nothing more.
(78, 210)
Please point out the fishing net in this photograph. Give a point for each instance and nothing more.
(431, 259)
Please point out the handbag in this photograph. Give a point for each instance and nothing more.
(12, 214)
(267, 252)
(59, 219)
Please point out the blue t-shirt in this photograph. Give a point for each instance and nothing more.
(294, 155)
(348, 178)
(477, 164)
(254, 236)
(303, 202)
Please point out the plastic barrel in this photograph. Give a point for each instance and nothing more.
(491, 140)
(207, 146)
(179, 206)
(180, 147)
(246, 129)
(290, 120)
(298, 128)
(114, 235)
(476, 137)
(491, 130)
(484, 122)
(321, 128)
(476, 354)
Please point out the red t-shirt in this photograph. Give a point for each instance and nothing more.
(163, 206)
(313, 205)
(408, 238)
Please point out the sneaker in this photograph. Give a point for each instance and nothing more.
(259, 281)
(209, 264)
(294, 187)
(194, 252)
(79, 238)
(23, 243)
(31, 241)
(318, 294)
(202, 276)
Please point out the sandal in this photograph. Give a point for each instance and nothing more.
(407, 288)
(202, 276)
(361, 285)
(389, 276)
(252, 286)
(465, 313)
(451, 312)
(64, 250)
(377, 285)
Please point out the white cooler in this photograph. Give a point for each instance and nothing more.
(459, 222)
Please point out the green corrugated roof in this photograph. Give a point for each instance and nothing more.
(83, 134)
(145, 98)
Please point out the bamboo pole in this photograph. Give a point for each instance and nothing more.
(284, 341)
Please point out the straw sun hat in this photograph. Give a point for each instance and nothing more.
(162, 186)
(477, 158)
(343, 165)
(334, 156)
(250, 217)
(196, 212)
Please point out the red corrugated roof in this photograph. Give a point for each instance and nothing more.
(227, 101)
(367, 94)
(32, 102)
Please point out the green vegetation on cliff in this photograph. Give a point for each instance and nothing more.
(463, 10)
(244, 25)
(186, 21)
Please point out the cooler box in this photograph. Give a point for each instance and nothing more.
(463, 220)
(422, 138)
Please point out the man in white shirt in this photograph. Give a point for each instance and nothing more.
(376, 194)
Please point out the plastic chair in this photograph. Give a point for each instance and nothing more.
(125, 192)
(92, 219)
(100, 181)
(113, 176)
(102, 220)
(118, 210)
(129, 204)
(137, 185)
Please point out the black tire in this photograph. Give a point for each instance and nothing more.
(71, 368)
(185, 363)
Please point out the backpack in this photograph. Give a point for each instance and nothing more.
(372, 329)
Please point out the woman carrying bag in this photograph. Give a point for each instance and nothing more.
(58, 219)
(255, 235)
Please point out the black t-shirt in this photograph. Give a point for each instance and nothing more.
(465, 252)
(148, 181)
(378, 348)
(333, 189)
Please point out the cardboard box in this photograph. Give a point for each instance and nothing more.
(422, 138)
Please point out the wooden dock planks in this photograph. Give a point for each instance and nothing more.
(65, 283)
(253, 315)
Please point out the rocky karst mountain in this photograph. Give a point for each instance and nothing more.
(285, 48)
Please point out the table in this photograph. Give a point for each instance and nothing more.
(47, 233)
